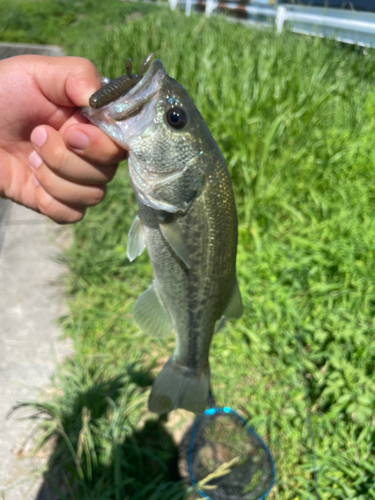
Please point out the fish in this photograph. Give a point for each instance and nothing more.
(186, 218)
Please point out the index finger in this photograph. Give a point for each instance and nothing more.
(89, 142)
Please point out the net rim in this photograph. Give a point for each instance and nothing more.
(228, 411)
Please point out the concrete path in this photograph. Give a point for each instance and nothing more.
(29, 336)
(16, 49)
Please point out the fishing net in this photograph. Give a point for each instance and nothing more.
(231, 459)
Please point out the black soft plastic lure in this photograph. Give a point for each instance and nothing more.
(120, 85)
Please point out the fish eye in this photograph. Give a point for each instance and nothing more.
(176, 117)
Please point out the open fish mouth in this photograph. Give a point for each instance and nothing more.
(132, 113)
(128, 102)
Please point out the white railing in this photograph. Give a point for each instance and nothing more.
(346, 26)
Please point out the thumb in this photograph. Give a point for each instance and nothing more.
(66, 81)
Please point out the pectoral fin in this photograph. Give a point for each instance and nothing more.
(234, 308)
(136, 239)
(150, 314)
(173, 234)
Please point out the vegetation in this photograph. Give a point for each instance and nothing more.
(294, 118)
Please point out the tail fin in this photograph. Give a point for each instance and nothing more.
(177, 386)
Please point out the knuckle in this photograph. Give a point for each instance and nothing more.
(58, 160)
(44, 201)
(46, 181)
(57, 211)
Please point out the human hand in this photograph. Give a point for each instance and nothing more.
(51, 159)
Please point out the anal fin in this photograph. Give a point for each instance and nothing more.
(234, 308)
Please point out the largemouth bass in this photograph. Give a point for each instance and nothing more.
(187, 219)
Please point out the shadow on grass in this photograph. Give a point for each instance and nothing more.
(100, 453)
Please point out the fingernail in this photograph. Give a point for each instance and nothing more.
(35, 160)
(78, 140)
(39, 136)
(35, 181)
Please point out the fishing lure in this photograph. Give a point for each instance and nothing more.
(120, 85)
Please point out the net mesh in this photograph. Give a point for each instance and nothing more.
(221, 437)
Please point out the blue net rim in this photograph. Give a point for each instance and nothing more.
(250, 430)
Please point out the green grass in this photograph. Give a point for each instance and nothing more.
(64, 22)
(294, 118)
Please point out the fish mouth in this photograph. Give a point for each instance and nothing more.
(140, 94)
(154, 67)
(132, 113)
(135, 98)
